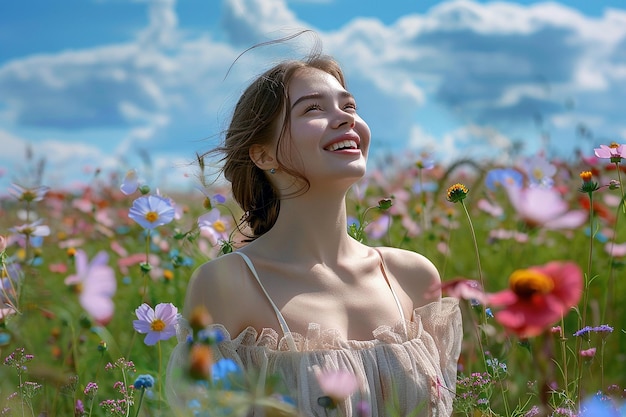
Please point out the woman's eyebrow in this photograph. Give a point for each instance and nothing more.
(317, 96)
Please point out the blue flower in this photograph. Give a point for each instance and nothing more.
(224, 371)
(599, 406)
(503, 176)
(151, 211)
(144, 381)
(211, 336)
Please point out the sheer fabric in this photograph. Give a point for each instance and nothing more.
(408, 367)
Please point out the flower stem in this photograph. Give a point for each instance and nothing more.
(143, 391)
(562, 341)
(583, 313)
(480, 270)
(621, 188)
(160, 378)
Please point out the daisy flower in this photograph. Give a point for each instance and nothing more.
(158, 324)
(151, 211)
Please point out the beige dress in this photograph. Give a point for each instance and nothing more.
(409, 367)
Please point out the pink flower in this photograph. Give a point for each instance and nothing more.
(96, 285)
(615, 249)
(136, 259)
(614, 152)
(588, 353)
(158, 324)
(337, 384)
(464, 289)
(379, 227)
(544, 207)
(538, 297)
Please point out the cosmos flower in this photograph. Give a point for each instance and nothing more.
(214, 226)
(151, 211)
(377, 228)
(539, 171)
(538, 297)
(95, 283)
(544, 207)
(32, 229)
(28, 194)
(503, 177)
(614, 152)
(337, 384)
(158, 324)
(464, 289)
(130, 182)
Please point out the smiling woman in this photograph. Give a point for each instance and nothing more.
(317, 301)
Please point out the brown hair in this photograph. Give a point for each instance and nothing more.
(255, 121)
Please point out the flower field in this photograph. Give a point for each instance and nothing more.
(92, 282)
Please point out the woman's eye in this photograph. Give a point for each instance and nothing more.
(350, 106)
(312, 107)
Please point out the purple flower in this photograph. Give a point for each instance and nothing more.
(151, 211)
(130, 183)
(214, 226)
(159, 324)
(95, 282)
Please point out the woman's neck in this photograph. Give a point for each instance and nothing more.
(310, 228)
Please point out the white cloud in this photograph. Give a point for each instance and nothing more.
(493, 67)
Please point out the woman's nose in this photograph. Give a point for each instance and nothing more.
(344, 118)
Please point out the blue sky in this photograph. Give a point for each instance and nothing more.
(119, 84)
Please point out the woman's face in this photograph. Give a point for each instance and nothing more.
(326, 140)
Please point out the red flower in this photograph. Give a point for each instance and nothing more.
(538, 297)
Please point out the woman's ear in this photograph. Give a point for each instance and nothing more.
(262, 157)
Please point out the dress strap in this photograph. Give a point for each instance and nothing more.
(281, 320)
(395, 296)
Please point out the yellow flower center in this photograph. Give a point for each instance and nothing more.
(168, 274)
(157, 325)
(614, 145)
(152, 216)
(219, 226)
(526, 283)
(28, 195)
(586, 176)
(78, 288)
(538, 174)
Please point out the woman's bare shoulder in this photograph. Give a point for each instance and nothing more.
(214, 283)
(415, 273)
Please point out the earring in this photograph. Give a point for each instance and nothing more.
(272, 171)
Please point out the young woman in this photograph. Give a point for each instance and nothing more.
(303, 295)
